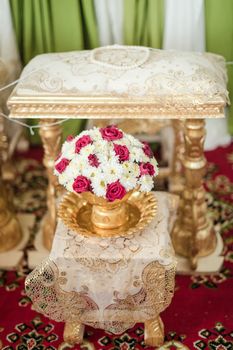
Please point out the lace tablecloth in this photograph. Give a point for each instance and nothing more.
(109, 283)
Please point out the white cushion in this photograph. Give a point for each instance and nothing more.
(181, 78)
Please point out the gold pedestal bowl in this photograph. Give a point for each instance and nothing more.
(90, 215)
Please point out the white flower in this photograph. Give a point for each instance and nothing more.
(112, 170)
(91, 172)
(146, 183)
(87, 150)
(133, 141)
(99, 185)
(128, 181)
(68, 149)
(73, 170)
(69, 186)
(63, 178)
(131, 168)
(136, 154)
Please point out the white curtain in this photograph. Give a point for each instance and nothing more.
(9, 55)
(184, 29)
(8, 49)
(109, 15)
(184, 25)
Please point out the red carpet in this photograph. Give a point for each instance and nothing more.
(200, 316)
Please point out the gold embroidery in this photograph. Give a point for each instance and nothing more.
(157, 286)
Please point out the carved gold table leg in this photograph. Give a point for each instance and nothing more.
(176, 180)
(51, 137)
(154, 332)
(10, 230)
(73, 333)
(193, 233)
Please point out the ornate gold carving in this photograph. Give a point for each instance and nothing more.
(73, 333)
(105, 108)
(10, 230)
(3, 142)
(51, 138)
(86, 214)
(154, 332)
(176, 180)
(138, 126)
(193, 233)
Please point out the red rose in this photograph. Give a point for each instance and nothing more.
(82, 142)
(111, 133)
(115, 191)
(122, 152)
(81, 184)
(147, 150)
(147, 169)
(61, 166)
(93, 160)
(69, 138)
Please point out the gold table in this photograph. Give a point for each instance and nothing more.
(157, 85)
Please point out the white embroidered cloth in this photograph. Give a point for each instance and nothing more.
(109, 283)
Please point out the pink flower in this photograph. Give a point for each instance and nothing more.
(147, 150)
(115, 191)
(111, 133)
(82, 142)
(93, 160)
(81, 184)
(70, 138)
(147, 169)
(122, 152)
(61, 166)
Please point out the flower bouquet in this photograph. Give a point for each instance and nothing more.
(106, 165)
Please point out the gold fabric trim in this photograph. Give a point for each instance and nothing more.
(44, 287)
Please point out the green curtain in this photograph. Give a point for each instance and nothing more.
(54, 26)
(219, 37)
(143, 22)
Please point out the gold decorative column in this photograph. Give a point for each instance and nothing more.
(51, 137)
(176, 181)
(193, 233)
(10, 230)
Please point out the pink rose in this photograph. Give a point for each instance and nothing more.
(115, 191)
(70, 138)
(61, 166)
(147, 150)
(122, 152)
(111, 133)
(147, 169)
(93, 160)
(81, 184)
(82, 142)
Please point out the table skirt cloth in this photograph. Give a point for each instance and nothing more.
(109, 283)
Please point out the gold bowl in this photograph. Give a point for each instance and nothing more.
(77, 214)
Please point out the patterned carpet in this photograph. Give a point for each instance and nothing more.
(201, 314)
